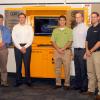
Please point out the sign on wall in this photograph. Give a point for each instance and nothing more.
(11, 18)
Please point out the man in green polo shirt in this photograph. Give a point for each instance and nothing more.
(62, 41)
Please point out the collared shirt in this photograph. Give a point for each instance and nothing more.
(62, 36)
(6, 35)
(22, 34)
(79, 35)
(93, 36)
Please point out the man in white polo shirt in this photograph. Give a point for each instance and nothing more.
(22, 35)
(79, 37)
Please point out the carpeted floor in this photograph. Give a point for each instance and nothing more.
(42, 89)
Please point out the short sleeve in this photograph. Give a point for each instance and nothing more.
(70, 35)
(53, 36)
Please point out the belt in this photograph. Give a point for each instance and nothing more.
(79, 48)
(68, 48)
(22, 44)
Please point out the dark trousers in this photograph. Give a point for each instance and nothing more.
(19, 56)
(81, 80)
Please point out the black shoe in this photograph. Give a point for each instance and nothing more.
(88, 93)
(29, 84)
(76, 88)
(17, 84)
(66, 87)
(4, 85)
(57, 86)
(82, 91)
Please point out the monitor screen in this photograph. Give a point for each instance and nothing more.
(45, 25)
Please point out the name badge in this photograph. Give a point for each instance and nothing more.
(95, 31)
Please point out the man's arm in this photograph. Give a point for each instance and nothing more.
(55, 45)
(15, 40)
(86, 46)
(88, 53)
(7, 36)
(96, 46)
(67, 45)
(31, 36)
(57, 48)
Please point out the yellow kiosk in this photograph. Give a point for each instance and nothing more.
(42, 62)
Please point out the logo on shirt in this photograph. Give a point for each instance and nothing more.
(95, 31)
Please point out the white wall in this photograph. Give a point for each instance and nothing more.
(32, 1)
(11, 66)
(96, 8)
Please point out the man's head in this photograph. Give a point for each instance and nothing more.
(22, 18)
(79, 17)
(1, 19)
(95, 18)
(62, 21)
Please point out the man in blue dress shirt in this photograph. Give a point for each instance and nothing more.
(5, 40)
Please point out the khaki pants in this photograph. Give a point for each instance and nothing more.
(3, 64)
(66, 60)
(93, 69)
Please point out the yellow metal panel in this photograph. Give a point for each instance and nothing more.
(42, 60)
(14, 9)
(57, 8)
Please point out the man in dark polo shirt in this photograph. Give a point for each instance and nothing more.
(93, 55)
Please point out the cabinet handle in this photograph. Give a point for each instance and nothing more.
(52, 61)
(36, 51)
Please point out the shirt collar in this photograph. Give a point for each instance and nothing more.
(22, 25)
(80, 24)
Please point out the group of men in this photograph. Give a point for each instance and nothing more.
(86, 44)
(85, 41)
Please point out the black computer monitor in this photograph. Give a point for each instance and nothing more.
(44, 25)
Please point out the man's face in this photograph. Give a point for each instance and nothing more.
(94, 19)
(1, 21)
(78, 18)
(62, 22)
(22, 19)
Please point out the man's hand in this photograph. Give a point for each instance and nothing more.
(85, 56)
(61, 51)
(23, 50)
(88, 53)
(2, 44)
